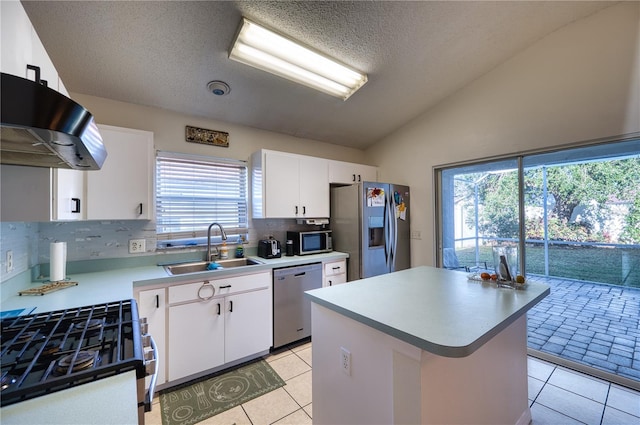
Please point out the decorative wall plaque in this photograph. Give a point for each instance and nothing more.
(206, 137)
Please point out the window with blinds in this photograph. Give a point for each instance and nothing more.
(194, 191)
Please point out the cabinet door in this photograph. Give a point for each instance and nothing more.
(41, 59)
(334, 280)
(26, 193)
(248, 324)
(68, 194)
(196, 335)
(122, 189)
(282, 187)
(40, 194)
(342, 172)
(367, 173)
(16, 39)
(152, 305)
(314, 187)
(349, 173)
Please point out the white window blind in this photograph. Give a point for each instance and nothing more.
(194, 191)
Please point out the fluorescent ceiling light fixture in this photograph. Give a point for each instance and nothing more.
(263, 49)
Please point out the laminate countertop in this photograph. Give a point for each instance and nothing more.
(437, 310)
(118, 283)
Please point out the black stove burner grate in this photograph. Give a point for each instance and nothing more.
(47, 352)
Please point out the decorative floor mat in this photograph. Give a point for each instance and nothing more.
(197, 401)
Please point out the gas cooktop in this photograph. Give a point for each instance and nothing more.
(47, 352)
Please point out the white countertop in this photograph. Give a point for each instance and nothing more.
(437, 310)
(118, 284)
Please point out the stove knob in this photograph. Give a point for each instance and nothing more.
(148, 355)
(150, 366)
(146, 341)
(144, 326)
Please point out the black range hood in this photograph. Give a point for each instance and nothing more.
(43, 128)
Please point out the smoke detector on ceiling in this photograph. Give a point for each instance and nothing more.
(219, 88)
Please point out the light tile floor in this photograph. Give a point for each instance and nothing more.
(557, 395)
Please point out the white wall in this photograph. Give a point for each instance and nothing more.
(169, 132)
(580, 83)
(100, 239)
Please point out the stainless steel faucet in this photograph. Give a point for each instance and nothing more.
(222, 234)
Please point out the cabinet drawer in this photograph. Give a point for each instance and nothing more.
(189, 292)
(334, 268)
(243, 283)
(225, 286)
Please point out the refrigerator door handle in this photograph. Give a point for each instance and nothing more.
(389, 234)
(394, 223)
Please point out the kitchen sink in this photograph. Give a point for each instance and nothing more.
(201, 266)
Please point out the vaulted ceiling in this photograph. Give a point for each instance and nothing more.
(163, 54)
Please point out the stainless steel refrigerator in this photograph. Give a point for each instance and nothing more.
(370, 221)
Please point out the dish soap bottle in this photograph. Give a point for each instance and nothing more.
(240, 248)
(224, 251)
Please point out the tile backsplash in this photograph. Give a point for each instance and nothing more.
(91, 240)
(22, 240)
(277, 228)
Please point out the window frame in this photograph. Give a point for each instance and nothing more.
(193, 232)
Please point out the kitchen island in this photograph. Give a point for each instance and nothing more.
(423, 345)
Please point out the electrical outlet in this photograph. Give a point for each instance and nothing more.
(9, 261)
(345, 361)
(137, 246)
(415, 234)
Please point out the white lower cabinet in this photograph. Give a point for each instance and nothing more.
(247, 331)
(334, 273)
(211, 323)
(196, 338)
(152, 304)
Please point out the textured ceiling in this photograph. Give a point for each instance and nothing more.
(163, 54)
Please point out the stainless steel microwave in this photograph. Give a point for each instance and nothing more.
(312, 242)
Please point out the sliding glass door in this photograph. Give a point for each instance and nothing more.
(573, 213)
(479, 210)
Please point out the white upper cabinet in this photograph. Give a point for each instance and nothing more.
(21, 46)
(123, 188)
(68, 201)
(41, 194)
(16, 39)
(347, 173)
(287, 185)
(41, 59)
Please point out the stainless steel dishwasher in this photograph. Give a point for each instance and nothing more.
(291, 310)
